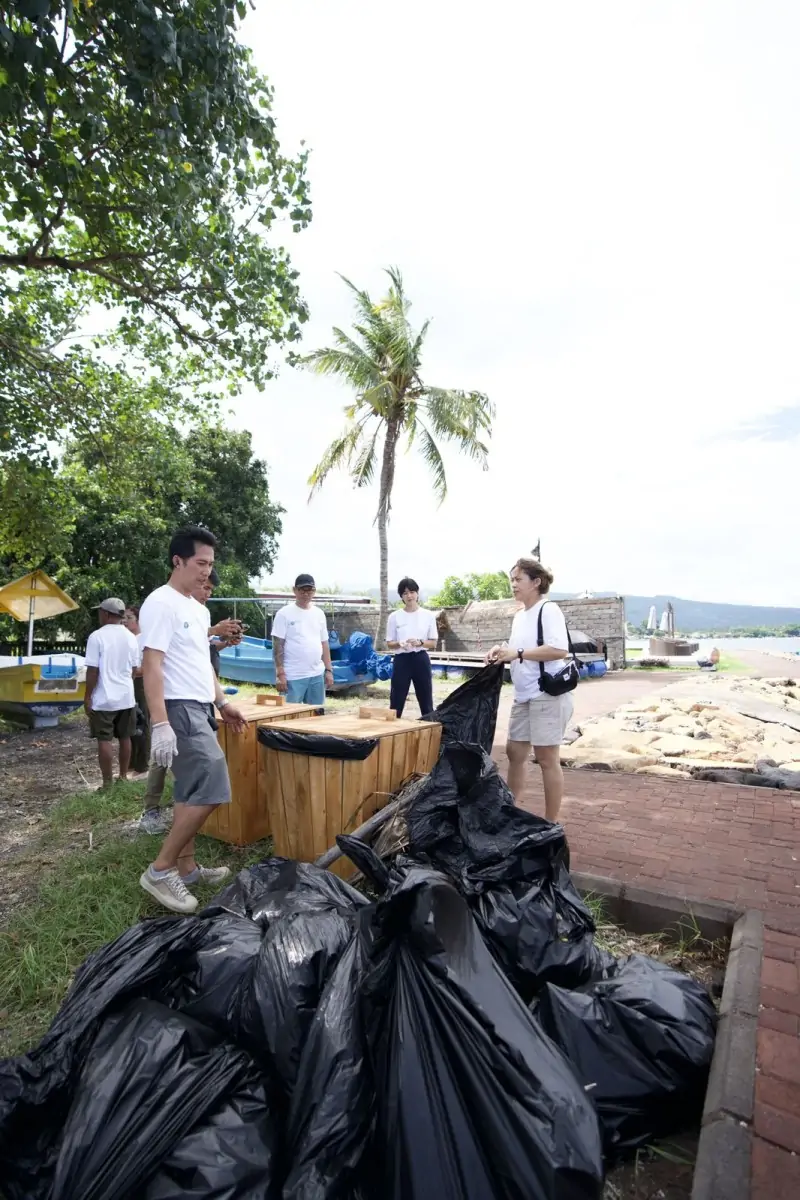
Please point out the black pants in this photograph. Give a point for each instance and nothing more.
(407, 669)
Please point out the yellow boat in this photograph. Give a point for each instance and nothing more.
(38, 693)
(38, 690)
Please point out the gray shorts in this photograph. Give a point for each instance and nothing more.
(542, 721)
(199, 767)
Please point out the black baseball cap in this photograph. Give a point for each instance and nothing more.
(304, 581)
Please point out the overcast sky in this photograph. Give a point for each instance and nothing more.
(598, 205)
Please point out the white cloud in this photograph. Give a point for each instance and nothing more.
(599, 208)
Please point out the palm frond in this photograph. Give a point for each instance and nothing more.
(357, 371)
(462, 417)
(430, 452)
(339, 454)
(363, 470)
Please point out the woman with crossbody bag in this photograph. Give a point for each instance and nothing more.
(544, 673)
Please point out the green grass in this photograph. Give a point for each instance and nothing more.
(88, 896)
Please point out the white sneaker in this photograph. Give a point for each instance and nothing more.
(207, 876)
(170, 891)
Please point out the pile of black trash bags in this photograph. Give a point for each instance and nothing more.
(459, 1037)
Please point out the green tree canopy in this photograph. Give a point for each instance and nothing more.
(141, 174)
(100, 521)
(491, 585)
(382, 362)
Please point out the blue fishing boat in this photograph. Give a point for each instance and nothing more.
(354, 662)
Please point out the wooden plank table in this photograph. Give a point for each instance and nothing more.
(311, 799)
(246, 818)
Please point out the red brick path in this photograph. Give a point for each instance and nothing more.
(707, 841)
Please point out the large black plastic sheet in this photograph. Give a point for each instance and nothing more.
(36, 1090)
(473, 1101)
(641, 1040)
(317, 745)
(157, 1088)
(469, 714)
(510, 865)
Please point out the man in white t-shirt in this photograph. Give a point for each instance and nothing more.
(537, 718)
(112, 655)
(411, 632)
(181, 690)
(300, 647)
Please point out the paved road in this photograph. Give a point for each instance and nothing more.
(597, 697)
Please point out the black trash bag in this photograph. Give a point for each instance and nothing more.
(279, 886)
(287, 979)
(641, 1040)
(469, 714)
(152, 1079)
(540, 931)
(36, 1089)
(300, 918)
(317, 745)
(333, 1104)
(474, 1102)
(209, 989)
(510, 865)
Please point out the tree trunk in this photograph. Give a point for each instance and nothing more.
(384, 508)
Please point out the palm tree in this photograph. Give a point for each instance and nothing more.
(380, 360)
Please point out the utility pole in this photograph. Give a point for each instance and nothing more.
(537, 551)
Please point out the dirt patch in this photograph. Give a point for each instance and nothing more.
(37, 766)
(664, 1173)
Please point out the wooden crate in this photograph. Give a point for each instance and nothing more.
(246, 818)
(312, 799)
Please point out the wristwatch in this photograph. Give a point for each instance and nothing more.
(221, 704)
(520, 654)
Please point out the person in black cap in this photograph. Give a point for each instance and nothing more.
(112, 655)
(300, 645)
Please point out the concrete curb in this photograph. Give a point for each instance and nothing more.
(722, 1168)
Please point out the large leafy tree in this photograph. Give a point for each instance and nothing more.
(100, 520)
(381, 360)
(141, 173)
(229, 493)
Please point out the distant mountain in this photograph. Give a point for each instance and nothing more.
(700, 616)
(691, 616)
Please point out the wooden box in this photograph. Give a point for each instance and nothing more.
(312, 799)
(246, 819)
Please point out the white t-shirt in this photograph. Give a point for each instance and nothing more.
(303, 631)
(178, 626)
(114, 651)
(525, 636)
(411, 626)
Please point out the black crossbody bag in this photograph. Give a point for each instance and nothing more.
(563, 681)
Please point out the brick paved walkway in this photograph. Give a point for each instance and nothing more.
(706, 841)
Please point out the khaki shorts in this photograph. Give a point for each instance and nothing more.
(542, 721)
(105, 726)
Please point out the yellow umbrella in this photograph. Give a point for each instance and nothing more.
(33, 597)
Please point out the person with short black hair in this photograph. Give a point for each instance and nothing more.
(300, 646)
(112, 655)
(537, 719)
(411, 632)
(181, 690)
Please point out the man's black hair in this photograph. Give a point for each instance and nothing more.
(184, 541)
(407, 584)
(213, 578)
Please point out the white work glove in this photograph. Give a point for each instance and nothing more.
(163, 745)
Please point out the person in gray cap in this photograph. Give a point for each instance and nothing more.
(112, 655)
(301, 648)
